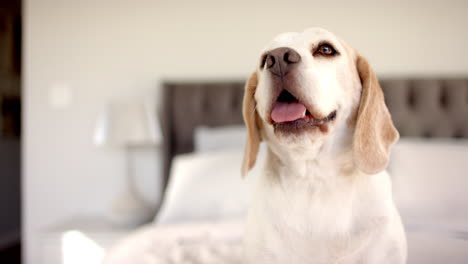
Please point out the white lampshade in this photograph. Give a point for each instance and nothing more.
(128, 124)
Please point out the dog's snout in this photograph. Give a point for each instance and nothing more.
(280, 60)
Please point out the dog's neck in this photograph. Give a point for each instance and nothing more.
(319, 161)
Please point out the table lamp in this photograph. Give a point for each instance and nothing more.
(129, 125)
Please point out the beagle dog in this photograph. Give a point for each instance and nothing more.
(324, 195)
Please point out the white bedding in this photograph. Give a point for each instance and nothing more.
(221, 243)
(188, 243)
(429, 190)
(207, 187)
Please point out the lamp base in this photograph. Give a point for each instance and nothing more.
(130, 210)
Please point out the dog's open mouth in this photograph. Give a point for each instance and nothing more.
(289, 114)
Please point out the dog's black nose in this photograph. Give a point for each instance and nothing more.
(279, 61)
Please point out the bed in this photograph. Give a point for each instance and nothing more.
(201, 217)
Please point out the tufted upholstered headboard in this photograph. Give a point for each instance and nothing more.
(428, 107)
(419, 107)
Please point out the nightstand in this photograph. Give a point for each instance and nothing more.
(80, 240)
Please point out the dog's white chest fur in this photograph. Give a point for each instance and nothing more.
(323, 220)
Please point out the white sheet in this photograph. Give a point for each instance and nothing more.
(188, 243)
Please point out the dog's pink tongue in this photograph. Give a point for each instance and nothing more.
(285, 112)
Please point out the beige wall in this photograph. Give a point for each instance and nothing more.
(106, 50)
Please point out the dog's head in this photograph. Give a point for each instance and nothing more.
(311, 92)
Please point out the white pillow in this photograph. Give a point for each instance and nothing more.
(430, 177)
(208, 186)
(219, 138)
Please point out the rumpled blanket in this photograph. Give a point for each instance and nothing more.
(190, 243)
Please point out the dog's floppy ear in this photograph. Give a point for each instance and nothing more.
(375, 133)
(252, 123)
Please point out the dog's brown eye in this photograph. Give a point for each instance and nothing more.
(325, 49)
